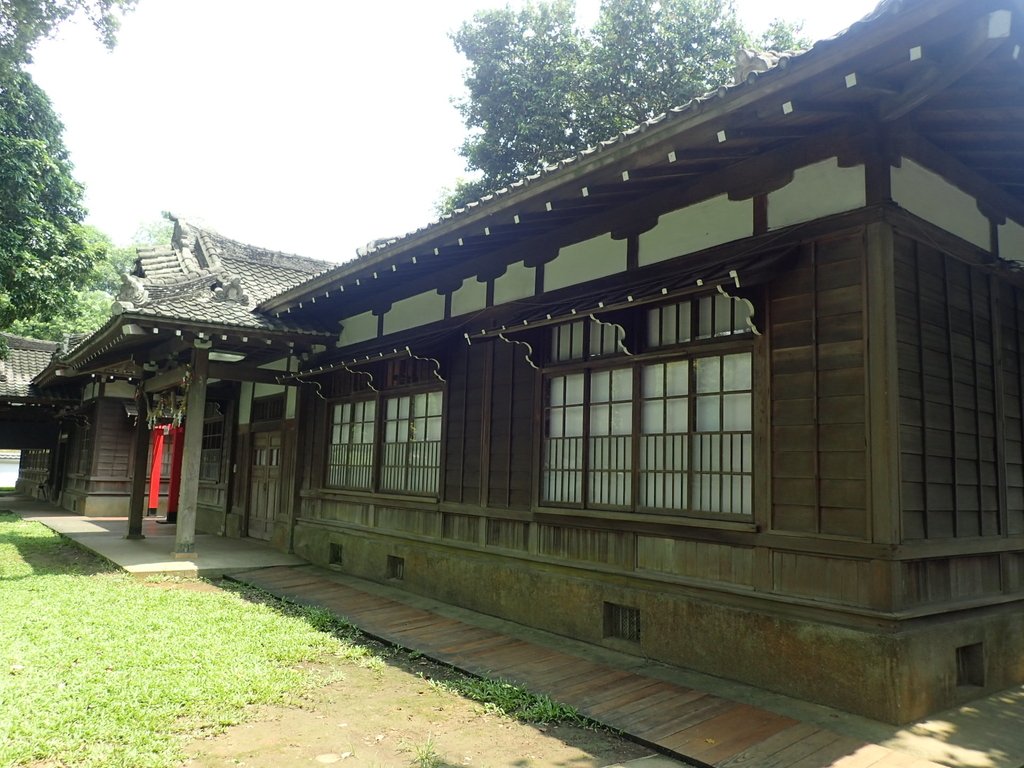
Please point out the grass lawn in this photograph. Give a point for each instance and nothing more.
(98, 669)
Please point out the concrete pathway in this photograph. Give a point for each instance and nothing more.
(215, 556)
(986, 733)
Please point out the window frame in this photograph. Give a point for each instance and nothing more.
(380, 400)
(213, 417)
(638, 336)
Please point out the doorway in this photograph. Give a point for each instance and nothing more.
(264, 484)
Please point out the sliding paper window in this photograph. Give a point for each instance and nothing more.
(350, 457)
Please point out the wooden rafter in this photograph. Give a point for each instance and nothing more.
(986, 35)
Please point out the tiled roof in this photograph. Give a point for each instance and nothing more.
(779, 68)
(206, 277)
(26, 358)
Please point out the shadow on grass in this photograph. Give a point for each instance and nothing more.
(45, 553)
(496, 696)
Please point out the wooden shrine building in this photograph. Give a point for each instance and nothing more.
(738, 390)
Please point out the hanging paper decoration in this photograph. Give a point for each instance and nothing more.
(169, 406)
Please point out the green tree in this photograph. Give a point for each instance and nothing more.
(523, 95)
(652, 55)
(540, 90)
(783, 36)
(24, 22)
(44, 252)
(88, 307)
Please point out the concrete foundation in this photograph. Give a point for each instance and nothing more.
(894, 672)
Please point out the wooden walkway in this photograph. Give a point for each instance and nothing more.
(694, 725)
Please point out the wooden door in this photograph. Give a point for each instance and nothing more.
(264, 484)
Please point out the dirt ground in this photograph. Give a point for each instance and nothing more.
(398, 715)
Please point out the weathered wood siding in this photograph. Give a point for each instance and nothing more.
(948, 379)
(1010, 302)
(818, 408)
(491, 402)
(463, 482)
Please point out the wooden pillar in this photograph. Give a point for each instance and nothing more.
(174, 488)
(154, 470)
(137, 500)
(195, 404)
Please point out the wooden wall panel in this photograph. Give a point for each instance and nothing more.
(464, 421)
(949, 385)
(819, 466)
(586, 545)
(510, 475)
(696, 559)
(823, 578)
(1011, 316)
(114, 440)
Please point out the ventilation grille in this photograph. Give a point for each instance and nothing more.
(622, 622)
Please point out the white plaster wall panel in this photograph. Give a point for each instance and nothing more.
(245, 402)
(699, 226)
(577, 263)
(276, 365)
(265, 390)
(358, 328)
(934, 199)
(817, 190)
(417, 310)
(1011, 241)
(90, 391)
(518, 282)
(291, 403)
(470, 297)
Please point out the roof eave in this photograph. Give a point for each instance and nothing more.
(821, 58)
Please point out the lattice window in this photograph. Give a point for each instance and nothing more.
(83, 450)
(665, 430)
(708, 317)
(351, 446)
(721, 454)
(662, 435)
(411, 450)
(210, 458)
(584, 340)
(268, 408)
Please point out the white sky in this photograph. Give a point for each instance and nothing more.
(311, 126)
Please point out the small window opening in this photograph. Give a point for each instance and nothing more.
(334, 555)
(970, 665)
(396, 567)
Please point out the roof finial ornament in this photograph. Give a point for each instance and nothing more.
(231, 290)
(133, 292)
(750, 62)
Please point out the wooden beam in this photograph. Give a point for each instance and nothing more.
(185, 535)
(165, 380)
(140, 463)
(932, 157)
(986, 35)
(243, 372)
(882, 386)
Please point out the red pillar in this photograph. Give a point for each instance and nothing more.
(178, 450)
(154, 469)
